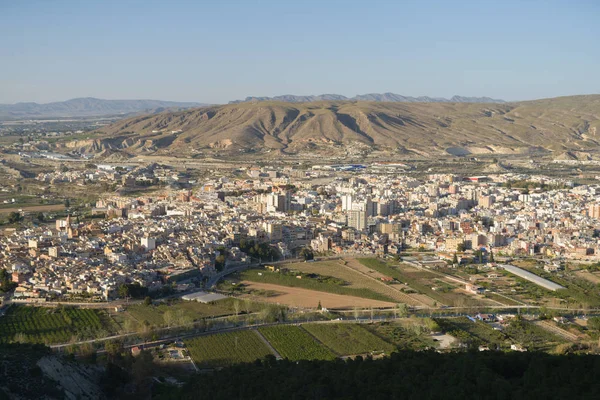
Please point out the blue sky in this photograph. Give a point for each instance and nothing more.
(216, 51)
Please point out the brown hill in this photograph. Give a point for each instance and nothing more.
(337, 128)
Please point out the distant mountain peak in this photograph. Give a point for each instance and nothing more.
(87, 107)
(380, 97)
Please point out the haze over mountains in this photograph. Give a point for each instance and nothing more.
(87, 107)
(383, 97)
(346, 128)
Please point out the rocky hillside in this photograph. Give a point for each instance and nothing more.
(335, 128)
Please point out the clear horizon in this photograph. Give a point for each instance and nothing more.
(218, 52)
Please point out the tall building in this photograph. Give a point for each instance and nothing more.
(357, 219)
(273, 231)
(594, 211)
(148, 243)
(347, 202)
(486, 201)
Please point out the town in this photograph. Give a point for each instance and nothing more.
(177, 239)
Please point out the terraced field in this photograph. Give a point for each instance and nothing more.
(348, 339)
(224, 349)
(295, 343)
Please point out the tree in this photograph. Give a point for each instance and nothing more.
(492, 256)
(67, 203)
(124, 291)
(455, 259)
(148, 301)
(402, 310)
(40, 217)
(319, 306)
(6, 283)
(14, 217)
(220, 262)
(168, 317)
(461, 247)
(307, 253)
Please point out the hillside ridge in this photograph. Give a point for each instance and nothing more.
(344, 128)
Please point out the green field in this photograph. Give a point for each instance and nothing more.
(475, 333)
(224, 349)
(419, 280)
(532, 336)
(405, 335)
(348, 339)
(295, 343)
(518, 331)
(52, 325)
(322, 284)
(185, 312)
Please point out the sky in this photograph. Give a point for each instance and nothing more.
(217, 51)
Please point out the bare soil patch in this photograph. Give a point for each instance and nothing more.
(297, 297)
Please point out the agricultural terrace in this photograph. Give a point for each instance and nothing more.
(295, 343)
(224, 349)
(348, 339)
(53, 325)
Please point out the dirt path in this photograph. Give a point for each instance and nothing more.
(266, 342)
(305, 298)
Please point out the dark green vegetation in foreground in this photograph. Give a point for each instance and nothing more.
(348, 339)
(21, 377)
(319, 283)
(52, 325)
(410, 375)
(295, 343)
(226, 349)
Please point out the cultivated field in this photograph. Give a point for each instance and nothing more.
(348, 339)
(52, 325)
(322, 283)
(424, 282)
(590, 276)
(295, 343)
(182, 312)
(224, 349)
(304, 298)
(355, 277)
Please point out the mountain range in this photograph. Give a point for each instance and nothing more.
(87, 107)
(382, 97)
(350, 128)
